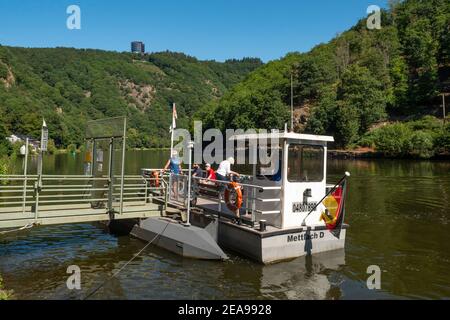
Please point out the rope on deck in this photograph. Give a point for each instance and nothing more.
(126, 264)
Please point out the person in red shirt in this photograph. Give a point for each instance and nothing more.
(210, 174)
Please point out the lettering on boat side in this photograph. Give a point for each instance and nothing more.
(303, 206)
(304, 236)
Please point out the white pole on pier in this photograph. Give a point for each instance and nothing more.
(190, 147)
(25, 171)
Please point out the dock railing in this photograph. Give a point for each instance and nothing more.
(32, 198)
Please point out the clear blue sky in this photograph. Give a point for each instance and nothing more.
(206, 29)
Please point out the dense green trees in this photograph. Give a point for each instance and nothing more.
(359, 79)
(4, 146)
(422, 138)
(346, 88)
(361, 102)
(68, 87)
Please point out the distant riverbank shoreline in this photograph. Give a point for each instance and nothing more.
(366, 153)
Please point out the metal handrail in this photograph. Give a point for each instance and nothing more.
(61, 191)
(263, 188)
(249, 200)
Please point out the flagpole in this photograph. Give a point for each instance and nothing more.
(172, 129)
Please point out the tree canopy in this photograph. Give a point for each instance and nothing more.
(359, 79)
(68, 87)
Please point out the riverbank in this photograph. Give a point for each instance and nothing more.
(369, 153)
(363, 153)
(65, 151)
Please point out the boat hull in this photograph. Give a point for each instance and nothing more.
(278, 245)
(186, 241)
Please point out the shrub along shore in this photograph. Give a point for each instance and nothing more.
(4, 295)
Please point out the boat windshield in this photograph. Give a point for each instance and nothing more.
(271, 170)
(305, 163)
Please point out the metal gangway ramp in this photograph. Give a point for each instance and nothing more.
(102, 193)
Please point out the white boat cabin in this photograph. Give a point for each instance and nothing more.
(292, 189)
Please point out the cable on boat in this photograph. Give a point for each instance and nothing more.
(25, 227)
(126, 264)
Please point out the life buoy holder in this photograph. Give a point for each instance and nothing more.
(154, 179)
(233, 203)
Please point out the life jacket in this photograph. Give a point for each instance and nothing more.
(233, 187)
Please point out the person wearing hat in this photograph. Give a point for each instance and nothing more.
(224, 172)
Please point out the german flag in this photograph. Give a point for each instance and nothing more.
(334, 213)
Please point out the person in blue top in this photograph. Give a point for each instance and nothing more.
(174, 165)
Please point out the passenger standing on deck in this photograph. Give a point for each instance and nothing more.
(174, 165)
(224, 172)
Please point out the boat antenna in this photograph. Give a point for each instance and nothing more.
(292, 101)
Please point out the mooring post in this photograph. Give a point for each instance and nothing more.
(253, 209)
(94, 157)
(111, 176)
(25, 169)
(37, 187)
(122, 173)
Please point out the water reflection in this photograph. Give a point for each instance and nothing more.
(35, 264)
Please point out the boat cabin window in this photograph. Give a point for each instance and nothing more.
(305, 163)
(272, 170)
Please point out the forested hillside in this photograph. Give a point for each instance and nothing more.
(68, 87)
(358, 83)
(356, 87)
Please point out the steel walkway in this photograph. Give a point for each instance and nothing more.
(51, 199)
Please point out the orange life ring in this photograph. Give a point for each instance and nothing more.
(154, 182)
(236, 188)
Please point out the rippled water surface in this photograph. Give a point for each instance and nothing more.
(398, 213)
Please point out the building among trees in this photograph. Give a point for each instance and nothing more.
(137, 47)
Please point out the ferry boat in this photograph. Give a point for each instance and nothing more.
(272, 215)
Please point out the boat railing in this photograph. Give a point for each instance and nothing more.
(253, 198)
(256, 198)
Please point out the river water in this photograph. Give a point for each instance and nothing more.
(398, 212)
